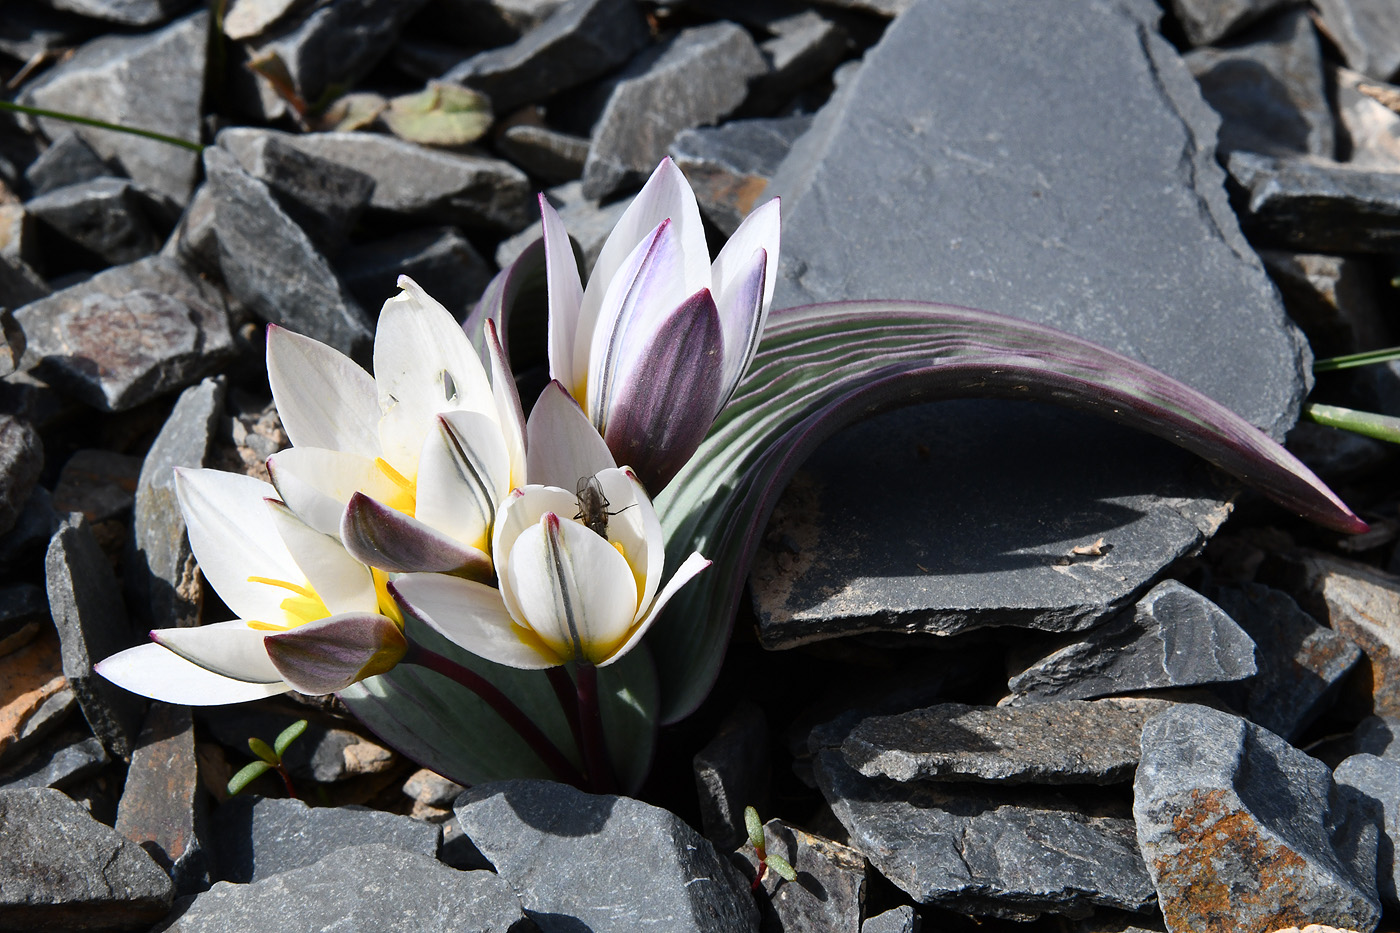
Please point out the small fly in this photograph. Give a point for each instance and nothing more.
(593, 505)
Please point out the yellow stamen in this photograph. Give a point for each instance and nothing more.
(267, 626)
(297, 588)
(305, 606)
(406, 500)
(387, 605)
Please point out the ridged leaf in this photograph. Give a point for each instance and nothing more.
(445, 727)
(822, 367)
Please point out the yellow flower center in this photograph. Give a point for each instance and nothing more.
(405, 497)
(301, 607)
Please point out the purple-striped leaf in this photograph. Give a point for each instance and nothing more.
(386, 538)
(821, 367)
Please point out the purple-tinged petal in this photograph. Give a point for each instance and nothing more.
(524, 276)
(392, 541)
(331, 654)
(565, 297)
(762, 229)
(563, 444)
(159, 673)
(666, 400)
(463, 472)
(742, 315)
(509, 412)
(646, 289)
(316, 483)
(472, 616)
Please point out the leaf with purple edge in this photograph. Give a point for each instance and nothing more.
(386, 538)
(821, 367)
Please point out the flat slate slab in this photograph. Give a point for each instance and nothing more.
(972, 161)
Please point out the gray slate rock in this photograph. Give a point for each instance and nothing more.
(1174, 637)
(1379, 736)
(1208, 21)
(1301, 663)
(324, 198)
(1333, 298)
(370, 887)
(1225, 806)
(438, 258)
(1268, 89)
(472, 192)
(32, 27)
(21, 459)
(163, 806)
(160, 575)
(124, 12)
(67, 161)
(731, 773)
(1368, 33)
(19, 284)
(106, 219)
(581, 40)
(259, 837)
(1059, 742)
(338, 42)
(1011, 854)
(933, 174)
(587, 221)
(98, 482)
(428, 787)
(1316, 206)
(1373, 784)
(547, 154)
(1370, 129)
(154, 81)
(804, 48)
(128, 334)
(74, 759)
(248, 19)
(87, 609)
(272, 267)
(700, 76)
(603, 863)
(901, 919)
(62, 870)
(490, 23)
(829, 893)
(729, 166)
(24, 611)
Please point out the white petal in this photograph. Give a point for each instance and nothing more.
(316, 483)
(233, 537)
(691, 566)
(563, 444)
(228, 648)
(464, 471)
(646, 289)
(423, 364)
(523, 509)
(565, 292)
(762, 229)
(665, 195)
(342, 583)
(573, 588)
(470, 615)
(509, 413)
(161, 674)
(323, 397)
(633, 523)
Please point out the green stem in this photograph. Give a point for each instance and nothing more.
(492, 696)
(1354, 360)
(595, 747)
(1368, 424)
(568, 701)
(100, 124)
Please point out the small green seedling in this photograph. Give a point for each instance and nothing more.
(269, 759)
(766, 859)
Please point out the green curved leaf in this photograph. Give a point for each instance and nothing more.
(288, 735)
(446, 727)
(264, 751)
(247, 775)
(439, 115)
(821, 367)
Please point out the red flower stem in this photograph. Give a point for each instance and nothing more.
(287, 781)
(595, 747)
(492, 696)
(568, 701)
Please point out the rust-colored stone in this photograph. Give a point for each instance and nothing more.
(28, 678)
(162, 801)
(1202, 880)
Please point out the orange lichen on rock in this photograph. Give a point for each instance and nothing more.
(28, 678)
